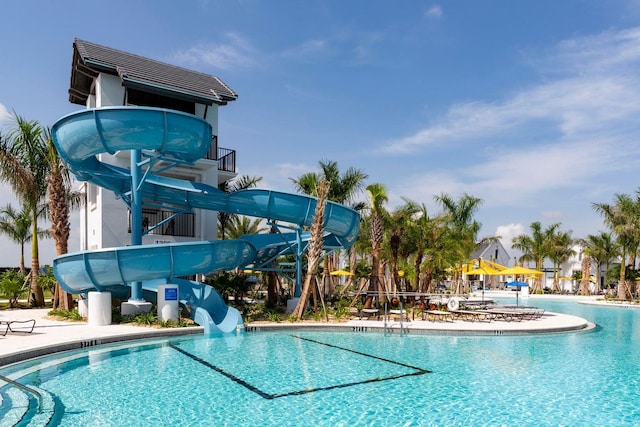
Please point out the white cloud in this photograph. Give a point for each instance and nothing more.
(308, 51)
(507, 232)
(598, 92)
(234, 53)
(434, 11)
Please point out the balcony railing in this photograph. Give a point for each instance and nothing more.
(226, 158)
(182, 225)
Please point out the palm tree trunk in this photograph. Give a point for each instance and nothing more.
(315, 249)
(36, 296)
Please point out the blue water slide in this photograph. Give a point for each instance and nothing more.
(177, 138)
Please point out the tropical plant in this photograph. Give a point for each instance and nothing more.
(623, 219)
(427, 235)
(62, 198)
(314, 252)
(240, 225)
(239, 183)
(12, 286)
(48, 282)
(377, 198)
(344, 188)
(23, 153)
(559, 249)
(17, 226)
(535, 247)
(399, 223)
(229, 284)
(462, 231)
(602, 249)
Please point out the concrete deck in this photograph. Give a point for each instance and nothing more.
(50, 336)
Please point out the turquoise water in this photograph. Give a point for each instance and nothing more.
(315, 378)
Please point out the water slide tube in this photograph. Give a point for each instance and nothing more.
(181, 138)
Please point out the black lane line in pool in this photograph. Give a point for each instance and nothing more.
(223, 372)
(419, 371)
(423, 371)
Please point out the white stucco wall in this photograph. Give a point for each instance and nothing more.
(109, 91)
(106, 223)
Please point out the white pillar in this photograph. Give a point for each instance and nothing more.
(99, 308)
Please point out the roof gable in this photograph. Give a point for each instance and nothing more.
(145, 74)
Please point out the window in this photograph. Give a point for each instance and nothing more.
(147, 99)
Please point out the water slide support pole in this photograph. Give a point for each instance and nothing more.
(299, 252)
(136, 215)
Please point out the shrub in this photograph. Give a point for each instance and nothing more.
(12, 286)
(66, 314)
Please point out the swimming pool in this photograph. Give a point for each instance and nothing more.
(303, 378)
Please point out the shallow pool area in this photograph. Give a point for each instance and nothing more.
(329, 378)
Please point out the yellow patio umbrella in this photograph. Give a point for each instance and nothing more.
(341, 273)
(485, 270)
(520, 270)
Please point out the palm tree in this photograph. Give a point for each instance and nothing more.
(23, 164)
(400, 222)
(62, 199)
(559, 250)
(315, 249)
(462, 230)
(241, 225)
(602, 249)
(17, 227)
(344, 187)
(427, 235)
(535, 248)
(377, 198)
(623, 219)
(241, 183)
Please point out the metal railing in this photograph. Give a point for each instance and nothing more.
(226, 157)
(182, 225)
(24, 388)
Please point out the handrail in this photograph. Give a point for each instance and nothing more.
(24, 388)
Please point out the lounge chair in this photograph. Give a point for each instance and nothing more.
(473, 315)
(369, 312)
(25, 326)
(434, 315)
(399, 314)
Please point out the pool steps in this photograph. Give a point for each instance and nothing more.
(25, 408)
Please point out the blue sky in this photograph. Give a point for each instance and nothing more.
(532, 106)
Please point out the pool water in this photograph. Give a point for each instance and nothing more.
(321, 378)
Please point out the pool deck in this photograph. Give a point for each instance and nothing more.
(50, 336)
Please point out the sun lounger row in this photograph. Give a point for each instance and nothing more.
(473, 315)
(437, 315)
(517, 313)
(506, 314)
(17, 326)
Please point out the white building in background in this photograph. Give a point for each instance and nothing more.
(103, 77)
(574, 265)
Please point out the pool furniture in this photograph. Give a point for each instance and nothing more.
(25, 326)
(369, 313)
(400, 314)
(518, 313)
(473, 315)
(438, 315)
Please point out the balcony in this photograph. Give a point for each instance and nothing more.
(182, 225)
(225, 157)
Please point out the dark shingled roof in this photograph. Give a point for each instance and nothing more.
(144, 74)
